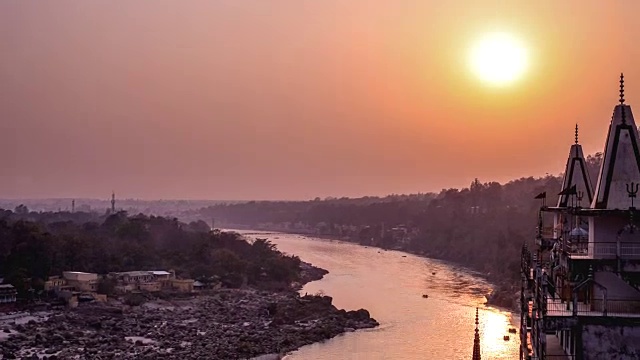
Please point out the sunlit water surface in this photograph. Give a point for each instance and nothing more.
(390, 284)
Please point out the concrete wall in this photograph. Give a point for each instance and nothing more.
(151, 287)
(605, 229)
(616, 287)
(611, 342)
(54, 282)
(182, 285)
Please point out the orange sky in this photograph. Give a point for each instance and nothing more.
(290, 99)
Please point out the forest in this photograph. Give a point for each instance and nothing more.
(34, 246)
(482, 226)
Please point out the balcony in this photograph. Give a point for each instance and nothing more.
(628, 308)
(603, 250)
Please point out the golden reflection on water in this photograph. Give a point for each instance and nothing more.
(494, 325)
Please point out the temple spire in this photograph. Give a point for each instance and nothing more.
(576, 182)
(620, 160)
(476, 341)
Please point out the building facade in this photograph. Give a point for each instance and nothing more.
(8, 294)
(580, 292)
(81, 281)
(151, 281)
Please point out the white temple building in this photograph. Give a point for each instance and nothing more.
(581, 285)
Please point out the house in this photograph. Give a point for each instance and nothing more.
(151, 281)
(81, 281)
(161, 275)
(8, 294)
(136, 277)
(200, 286)
(55, 283)
(136, 281)
(197, 285)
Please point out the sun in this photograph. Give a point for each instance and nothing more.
(499, 58)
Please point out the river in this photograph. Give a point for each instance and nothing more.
(390, 284)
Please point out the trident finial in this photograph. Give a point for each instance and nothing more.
(621, 88)
(632, 191)
(576, 134)
(624, 115)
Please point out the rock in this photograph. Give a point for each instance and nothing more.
(231, 324)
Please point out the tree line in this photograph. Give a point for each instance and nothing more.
(482, 226)
(35, 246)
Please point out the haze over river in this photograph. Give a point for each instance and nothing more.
(390, 284)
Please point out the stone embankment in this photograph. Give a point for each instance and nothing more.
(229, 324)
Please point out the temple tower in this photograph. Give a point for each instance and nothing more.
(621, 159)
(576, 188)
(575, 177)
(584, 278)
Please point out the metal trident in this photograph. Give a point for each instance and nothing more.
(632, 190)
(579, 196)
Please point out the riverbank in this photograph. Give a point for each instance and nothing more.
(223, 324)
(505, 294)
(230, 324)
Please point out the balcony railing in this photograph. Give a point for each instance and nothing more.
(594, 307)
(623, 250)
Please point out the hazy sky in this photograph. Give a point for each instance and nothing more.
(292, 99)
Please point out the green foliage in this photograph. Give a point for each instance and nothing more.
(482, 226)
(106, 286)
(228, 267)
(30, 251)
(21, 209)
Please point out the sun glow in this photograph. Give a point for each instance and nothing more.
(499, 58)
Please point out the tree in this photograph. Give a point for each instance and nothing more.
(106, 286)
(21, 209)
(229, 267)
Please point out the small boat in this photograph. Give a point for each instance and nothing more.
(425, 296)
(506, 338)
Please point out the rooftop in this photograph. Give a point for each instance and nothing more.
(160, 272)
(136, 273)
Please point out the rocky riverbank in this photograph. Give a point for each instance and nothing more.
(229, 324)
